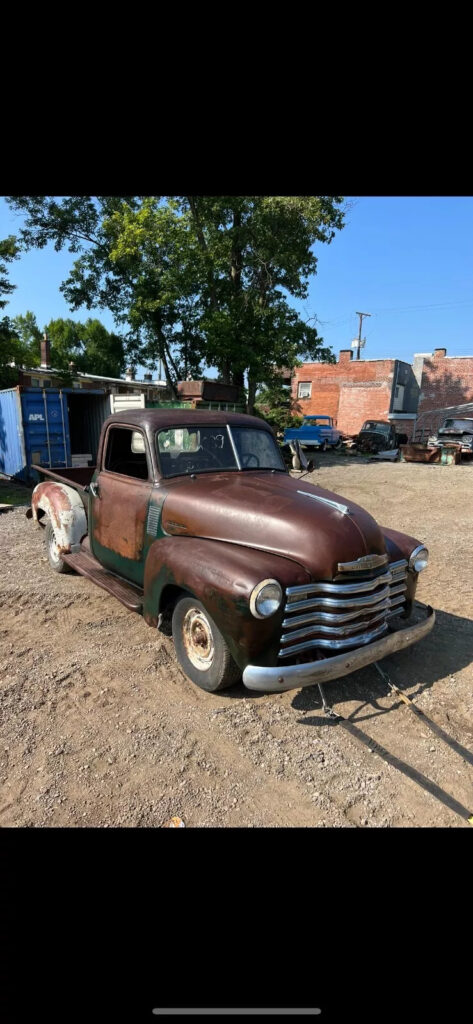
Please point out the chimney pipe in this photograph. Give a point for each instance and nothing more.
(345, 355)
(45, 353)
(130, 373)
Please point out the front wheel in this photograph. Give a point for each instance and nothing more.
(200, 647)
(338, 444)
(324, 445)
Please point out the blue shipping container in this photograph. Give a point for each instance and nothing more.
(34, 428)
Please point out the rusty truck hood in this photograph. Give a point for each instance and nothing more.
(271, 512)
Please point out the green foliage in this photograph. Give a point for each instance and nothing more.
(88, 345)
(194, 279)
(10, 351)
(9, 250)
(276, 405)
(26, 327)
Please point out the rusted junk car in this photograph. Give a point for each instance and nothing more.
(193, 515)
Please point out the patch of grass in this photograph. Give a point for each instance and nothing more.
(13, 494)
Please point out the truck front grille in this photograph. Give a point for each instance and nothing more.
(343, 614)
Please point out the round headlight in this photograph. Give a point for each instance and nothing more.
(265, 599)
(419, 559)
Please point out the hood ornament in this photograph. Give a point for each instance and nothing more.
(363, 563)
(326, 501)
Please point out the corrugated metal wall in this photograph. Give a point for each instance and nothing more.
(46, 427)
(12, 458)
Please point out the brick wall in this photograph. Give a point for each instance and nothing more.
(446, 380)
(364, 400)
(405, 427)
(351, 390)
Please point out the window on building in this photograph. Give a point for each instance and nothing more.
(398, 401)
(305, 389)
(34, 382)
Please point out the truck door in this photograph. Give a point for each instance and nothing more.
(119, 499)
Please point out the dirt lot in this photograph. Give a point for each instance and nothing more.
(100, 727)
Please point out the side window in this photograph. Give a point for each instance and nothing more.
(126, 453)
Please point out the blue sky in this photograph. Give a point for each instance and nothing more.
(406, 260)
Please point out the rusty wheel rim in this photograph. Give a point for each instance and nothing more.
(198, 639)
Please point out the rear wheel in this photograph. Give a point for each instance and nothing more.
(200, 647)
(52, 549)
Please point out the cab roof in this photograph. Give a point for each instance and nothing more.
(155, 419)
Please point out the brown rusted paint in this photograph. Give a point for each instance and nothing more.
(266, 511)
(119, 514)
(399, 545)
(222, 577)
(416, 452)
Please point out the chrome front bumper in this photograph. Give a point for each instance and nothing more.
(292, 677)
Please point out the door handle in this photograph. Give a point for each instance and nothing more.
(94, 490)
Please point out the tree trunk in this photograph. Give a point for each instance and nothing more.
(250, 407)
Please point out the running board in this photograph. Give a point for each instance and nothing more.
(84, 563)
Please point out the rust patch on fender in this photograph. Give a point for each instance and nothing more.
(53, 500)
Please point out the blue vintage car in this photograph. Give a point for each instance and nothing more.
(315, 432)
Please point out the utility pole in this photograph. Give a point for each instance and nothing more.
(361, 316)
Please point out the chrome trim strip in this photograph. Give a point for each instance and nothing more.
(358, 587)
(302, 620)
(233, 446)
(288, 638)
(336, 645)
(334, 504)
(332, 602)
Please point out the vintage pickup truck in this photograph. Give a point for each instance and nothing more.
(315, 432)
(191, 518)
(457, 430)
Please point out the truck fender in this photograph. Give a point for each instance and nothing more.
(221, 576)
(64, 508)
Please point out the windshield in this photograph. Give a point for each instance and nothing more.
(381, 428)
(206, 449)
(459, 425)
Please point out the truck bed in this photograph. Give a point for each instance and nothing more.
(79, 477)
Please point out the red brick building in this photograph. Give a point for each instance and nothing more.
(354, 390)
(445, 380)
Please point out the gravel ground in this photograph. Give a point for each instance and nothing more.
(99, 727)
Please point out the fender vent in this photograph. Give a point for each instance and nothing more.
(154, 513)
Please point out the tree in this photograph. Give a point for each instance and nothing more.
(194, 278)
(9, 250)
(26, 327)
(275, 404)
(11, 351)
(89, 346)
